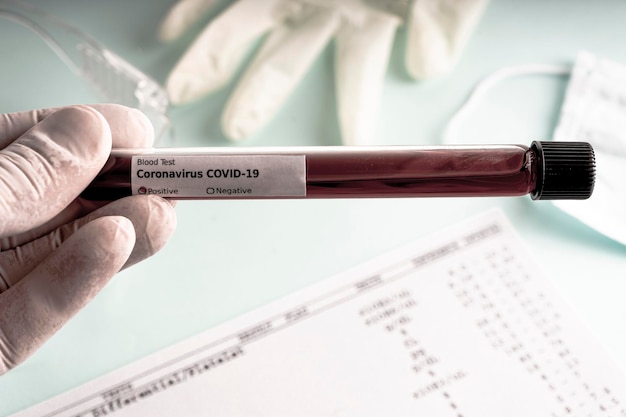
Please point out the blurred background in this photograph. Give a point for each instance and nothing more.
(228, 257)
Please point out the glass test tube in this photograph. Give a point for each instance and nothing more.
(545, 170)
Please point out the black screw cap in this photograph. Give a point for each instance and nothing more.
(565, 170)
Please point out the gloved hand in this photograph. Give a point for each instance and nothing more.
(56, 249)
(364, 31)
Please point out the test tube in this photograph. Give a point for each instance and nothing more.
(545, 170)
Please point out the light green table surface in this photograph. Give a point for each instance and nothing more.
(228, 257)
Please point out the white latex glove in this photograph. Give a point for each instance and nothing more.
(438, 30)
(364, 31)
(56, 249)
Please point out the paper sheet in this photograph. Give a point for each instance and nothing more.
(461, 324)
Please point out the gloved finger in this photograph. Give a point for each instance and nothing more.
(361, 59)
(182, 16)
(129, 127)
(153, 219)
(76, 209)
(212, 59)
(47, 167)
(35, 308)
(278, 67)
(437, 33)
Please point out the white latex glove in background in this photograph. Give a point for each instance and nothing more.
(56, 249)
(364, 31)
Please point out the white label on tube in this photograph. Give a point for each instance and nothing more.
(219, 176)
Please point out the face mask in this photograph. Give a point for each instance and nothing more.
(594, 111)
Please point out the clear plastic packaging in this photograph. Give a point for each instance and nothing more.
(113, 78)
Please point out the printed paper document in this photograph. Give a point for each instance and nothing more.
(462, 324)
